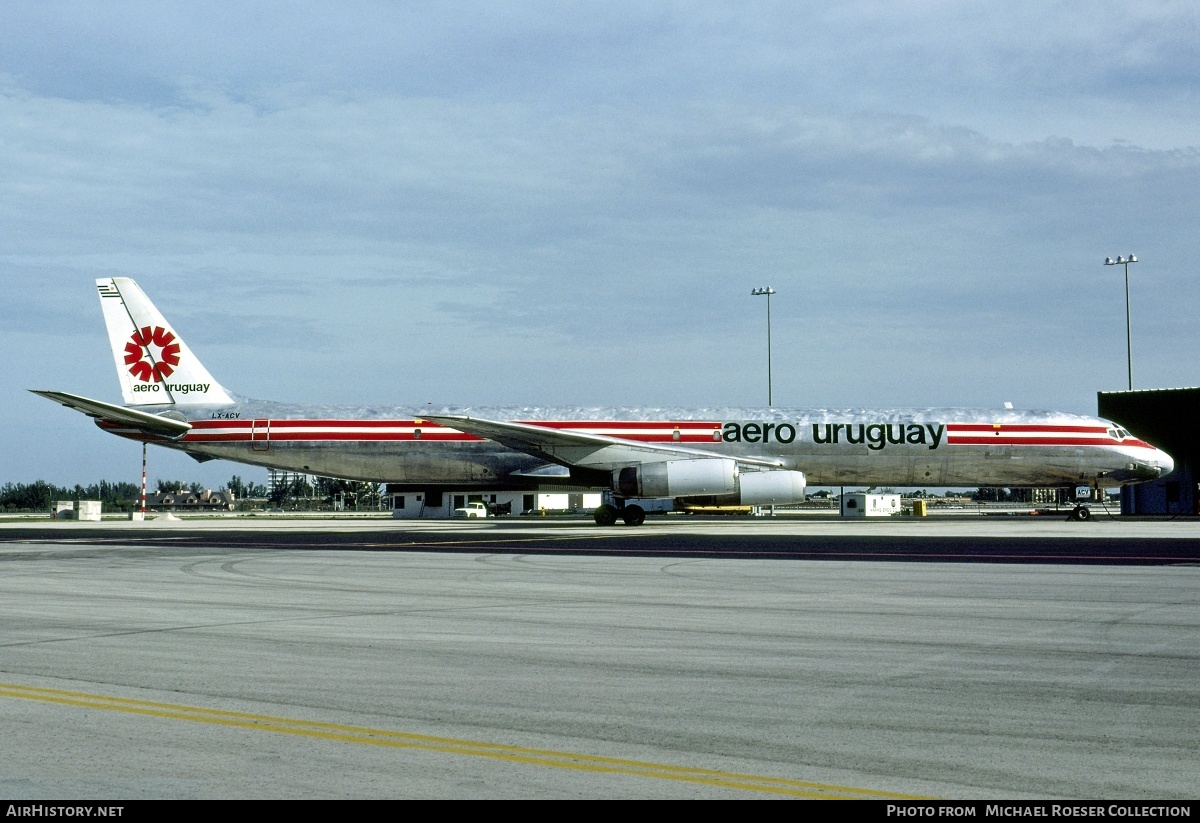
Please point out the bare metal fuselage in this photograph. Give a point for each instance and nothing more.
(897, 447)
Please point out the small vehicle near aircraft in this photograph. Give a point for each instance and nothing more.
(472, 510)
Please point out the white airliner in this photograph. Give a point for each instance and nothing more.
(737, 456)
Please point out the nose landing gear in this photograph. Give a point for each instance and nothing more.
(1083, 495)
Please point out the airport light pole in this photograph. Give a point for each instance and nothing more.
(1125, 261)
(759, 292)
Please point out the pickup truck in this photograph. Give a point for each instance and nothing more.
(472, 510)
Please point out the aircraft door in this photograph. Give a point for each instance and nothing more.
(260, 435)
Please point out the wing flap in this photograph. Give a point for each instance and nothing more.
(575, 448)
(550, 471)
(149, 423)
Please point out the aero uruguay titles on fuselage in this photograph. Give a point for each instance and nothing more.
(743, 456)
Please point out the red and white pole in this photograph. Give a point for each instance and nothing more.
(143, 479)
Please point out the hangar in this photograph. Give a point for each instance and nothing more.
(1166, 418)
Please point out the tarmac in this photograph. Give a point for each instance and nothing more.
(959, 658)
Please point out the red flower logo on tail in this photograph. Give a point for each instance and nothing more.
(141, 360)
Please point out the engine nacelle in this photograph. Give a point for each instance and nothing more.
(716, 478)
(770, 488)
(678, 478)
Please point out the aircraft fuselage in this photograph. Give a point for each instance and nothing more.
(898, 447)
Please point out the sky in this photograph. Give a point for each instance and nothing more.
(570, 203)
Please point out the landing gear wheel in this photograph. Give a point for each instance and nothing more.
(633, 515)
(1081, 514)
(605, 515)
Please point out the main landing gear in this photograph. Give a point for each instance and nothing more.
(606, 514)
(1080, 513)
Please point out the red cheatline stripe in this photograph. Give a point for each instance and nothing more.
(357, 424)
(665, 437)
(1034, 435)
(1025, 441)
(232, 430)
(1024, 427)
(667, 426)
(459, 437)
(297, 424)
(625, 424)
(958, 434)
(1045, 441)
(276, 437)
(439, 436)
(658, 425)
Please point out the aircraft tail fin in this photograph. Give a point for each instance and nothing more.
(154, 365)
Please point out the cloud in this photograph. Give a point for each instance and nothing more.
(569, 202)
(509, 214)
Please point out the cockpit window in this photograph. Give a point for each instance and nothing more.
(1117, 433)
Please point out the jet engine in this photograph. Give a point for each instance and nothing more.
(677, 478)
(771, 487)
(710, 477)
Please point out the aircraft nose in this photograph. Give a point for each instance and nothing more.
(1166, 465)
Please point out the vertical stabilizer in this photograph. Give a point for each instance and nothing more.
(154, 365)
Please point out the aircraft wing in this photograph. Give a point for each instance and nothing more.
(149, 423)
(573, 448)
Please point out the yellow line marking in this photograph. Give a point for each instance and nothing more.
(447, 745)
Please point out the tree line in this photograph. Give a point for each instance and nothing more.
(38, 495)
(298, 493)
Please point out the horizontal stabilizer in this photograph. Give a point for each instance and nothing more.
(149, 423)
